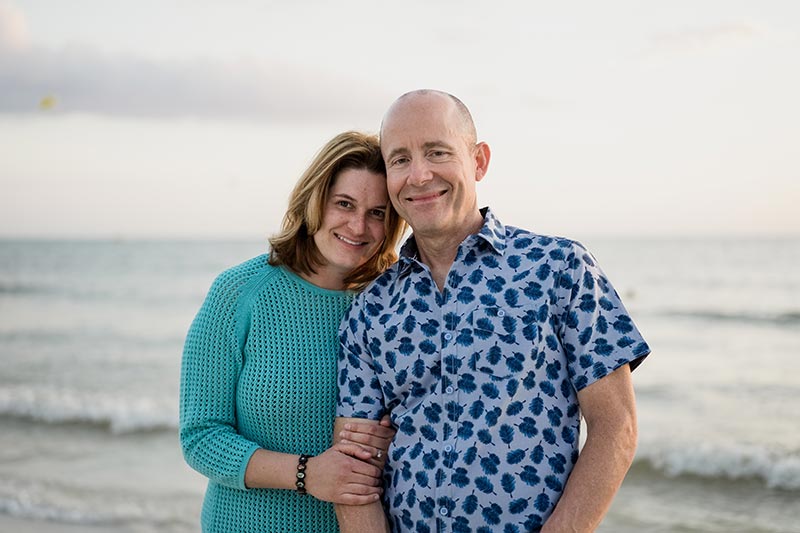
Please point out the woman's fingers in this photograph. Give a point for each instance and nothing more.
(357, 494)
(338, 475)
(367, 484)
(371, 441)
(373, 437)
(357, 430)
(357, 499)
(360, 466)
(370, 454)
(376, 455)
(359, 451)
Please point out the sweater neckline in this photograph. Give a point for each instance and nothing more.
(310, 286)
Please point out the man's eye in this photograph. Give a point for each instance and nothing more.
(379, 213)
(399, 161)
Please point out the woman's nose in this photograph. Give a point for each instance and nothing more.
(357, 223)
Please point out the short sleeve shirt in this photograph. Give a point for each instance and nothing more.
(481, 378)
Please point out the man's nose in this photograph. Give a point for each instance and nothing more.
(419, 173)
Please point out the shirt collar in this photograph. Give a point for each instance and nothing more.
(493, 232)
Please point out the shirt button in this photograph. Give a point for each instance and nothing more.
(448, 336)
(448, 448)
(443, 511)
(501, 313)
(449, 390)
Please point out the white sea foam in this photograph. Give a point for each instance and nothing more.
(122, 414)
(785, 317)
(779, 469)
(53, 502)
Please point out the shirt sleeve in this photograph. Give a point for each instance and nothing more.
(212, 362)
(360, 394)
(595, 329)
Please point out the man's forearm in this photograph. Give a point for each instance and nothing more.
(594, 482)
(610, 414)
(368, 518)
(362, 518)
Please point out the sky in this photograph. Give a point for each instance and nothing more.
(193, 119)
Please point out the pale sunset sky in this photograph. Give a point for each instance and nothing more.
(173, 119)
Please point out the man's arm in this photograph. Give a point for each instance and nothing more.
(609, 407)
(368, 518)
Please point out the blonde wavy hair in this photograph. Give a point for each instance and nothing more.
(294, 246)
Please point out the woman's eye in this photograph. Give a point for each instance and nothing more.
(343, 203)
(379, 213)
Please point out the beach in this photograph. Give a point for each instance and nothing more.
(91, 339)
(9, 523)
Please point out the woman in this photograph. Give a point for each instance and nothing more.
(258, 379)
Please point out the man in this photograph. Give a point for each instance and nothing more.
(486, 344)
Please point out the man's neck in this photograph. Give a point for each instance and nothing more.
(439, 251)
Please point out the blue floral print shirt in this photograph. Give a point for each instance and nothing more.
(481, 379)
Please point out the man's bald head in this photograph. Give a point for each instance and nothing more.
(465, 122)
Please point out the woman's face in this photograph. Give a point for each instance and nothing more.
(352, 221)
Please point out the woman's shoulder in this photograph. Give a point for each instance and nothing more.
(235, 280)
(247, 269)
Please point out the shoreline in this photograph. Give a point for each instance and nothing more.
(20, 524)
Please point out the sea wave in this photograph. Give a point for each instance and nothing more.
(120, 414)
(72, 505)
(14, 288)
(776, 468)
(132, 291)
(96, 335)
(76, 292)
(783, 318)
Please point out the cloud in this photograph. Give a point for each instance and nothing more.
(83, 79)
(700, 39)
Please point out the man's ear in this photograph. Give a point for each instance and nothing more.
(482, 156)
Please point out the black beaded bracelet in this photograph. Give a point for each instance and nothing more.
(301, 474)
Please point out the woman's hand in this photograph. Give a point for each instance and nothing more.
(342, 474)
(372, 437)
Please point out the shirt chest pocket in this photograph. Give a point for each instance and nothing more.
(503, 344)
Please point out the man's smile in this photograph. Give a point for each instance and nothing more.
(426, 197)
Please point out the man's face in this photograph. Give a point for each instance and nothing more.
(431, 167)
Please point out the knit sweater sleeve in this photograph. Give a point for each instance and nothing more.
(212, 362)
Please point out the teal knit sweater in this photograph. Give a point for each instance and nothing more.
(259, 371)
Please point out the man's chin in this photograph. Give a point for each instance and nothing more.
(420, 219)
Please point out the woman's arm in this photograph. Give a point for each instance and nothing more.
(210, 369)
(212, 360)
(341, 474)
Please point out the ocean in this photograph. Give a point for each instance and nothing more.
(91, 334)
